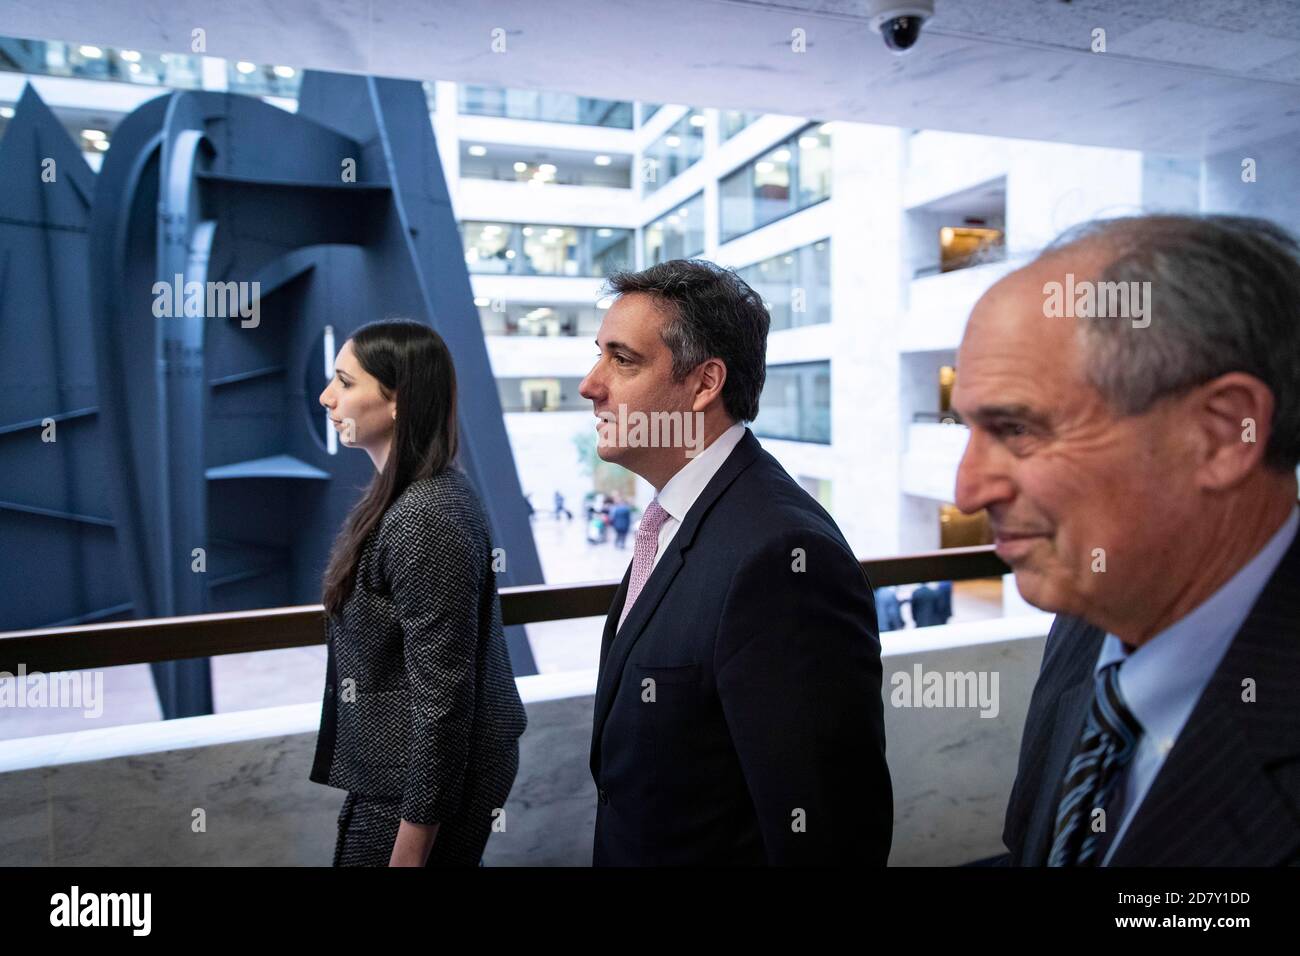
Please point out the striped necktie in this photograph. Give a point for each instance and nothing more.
(1109, 740)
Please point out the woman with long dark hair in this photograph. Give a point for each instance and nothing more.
(421, 716)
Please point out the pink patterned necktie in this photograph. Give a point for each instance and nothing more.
(643, 557)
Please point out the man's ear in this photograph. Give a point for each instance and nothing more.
(711, 376)
(1233, 417)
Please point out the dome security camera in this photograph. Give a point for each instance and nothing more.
(899, 23)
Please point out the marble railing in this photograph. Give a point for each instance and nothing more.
(232, 789)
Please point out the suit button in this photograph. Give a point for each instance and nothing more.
(603, 796)
(329, 688)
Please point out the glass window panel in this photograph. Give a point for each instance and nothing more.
(814, 166)
(545, 107)
(543, 249)
(796, 403)
(791, 176)
(676, 151)
(795, 286)
(678, 234)
(92, 61)
(732, 122)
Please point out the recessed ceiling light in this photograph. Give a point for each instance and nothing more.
(243, 66)
(673, 141)
(93, 135)
(602, 160)
(131, 56)
(478, 150)
(285, 72)
(90, 52)
(6, 112)
(521, 167)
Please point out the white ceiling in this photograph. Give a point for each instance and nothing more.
(1179, 76)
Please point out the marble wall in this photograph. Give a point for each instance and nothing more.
(952, 771)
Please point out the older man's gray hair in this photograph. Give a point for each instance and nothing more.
(1225, 297)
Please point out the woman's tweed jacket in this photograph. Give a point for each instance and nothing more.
(418, 676)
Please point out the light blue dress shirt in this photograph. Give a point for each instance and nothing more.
(1162, 680)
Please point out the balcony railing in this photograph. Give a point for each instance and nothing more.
(239, 632)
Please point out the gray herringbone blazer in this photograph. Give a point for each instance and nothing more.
(420, 699)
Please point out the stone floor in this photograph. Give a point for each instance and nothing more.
(297, 675)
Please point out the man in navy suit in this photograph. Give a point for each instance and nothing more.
(738, 715)
(1134, 403)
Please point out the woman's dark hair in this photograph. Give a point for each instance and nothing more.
(411, 359)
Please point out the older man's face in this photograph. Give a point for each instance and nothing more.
(1070, 488)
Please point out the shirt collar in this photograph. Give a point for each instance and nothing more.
(683, 488)
(1162, 680)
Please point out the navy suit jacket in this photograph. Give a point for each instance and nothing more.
(1228, 793)
(738, 714)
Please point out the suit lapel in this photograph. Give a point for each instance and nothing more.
(1228, 793)
(616, 646)
(1072, 707)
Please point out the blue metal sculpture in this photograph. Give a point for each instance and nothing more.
(191, 471)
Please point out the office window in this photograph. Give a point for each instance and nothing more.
(678, 234)
(504, 248)
(796, 403)
(545, 107)
(501, 317)
(648, 110)
(541, 394)
(94, 62)
(676, 151)
(795, 286)
(544, 167)
(791, 176)
(731, 122)
(255, 79)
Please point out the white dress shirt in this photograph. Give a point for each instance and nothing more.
(685, 487)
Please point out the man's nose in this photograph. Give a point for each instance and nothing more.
(980, 482)
(589, 387)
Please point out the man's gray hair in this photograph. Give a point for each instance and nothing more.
(1224, 297)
